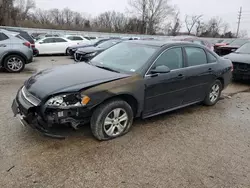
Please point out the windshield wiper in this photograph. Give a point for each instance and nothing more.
(107, 68)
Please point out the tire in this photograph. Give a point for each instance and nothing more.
(106, 112)
(213, 94)
(14, 63)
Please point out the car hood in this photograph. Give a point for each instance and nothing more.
(89, 50)
(69, 78)
(241, 58)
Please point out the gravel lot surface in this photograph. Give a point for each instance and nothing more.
(194, 147)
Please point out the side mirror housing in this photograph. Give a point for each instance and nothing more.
(160, 69)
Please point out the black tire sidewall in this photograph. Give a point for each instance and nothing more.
(9, 57)
(207, 100)
(99, 115)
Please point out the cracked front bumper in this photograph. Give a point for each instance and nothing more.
(30, 119)
(43, 121)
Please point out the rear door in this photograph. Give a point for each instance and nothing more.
(200, 73)
(61, 45)
(165, 91)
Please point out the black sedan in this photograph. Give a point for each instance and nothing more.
(241, 62)
(131, 79)
(72, 49)
(86, 54)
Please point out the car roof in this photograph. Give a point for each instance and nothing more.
(53, 38)
(158, 43)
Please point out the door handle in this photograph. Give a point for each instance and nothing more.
(180, 76)
(210, 70)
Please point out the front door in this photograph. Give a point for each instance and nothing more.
(165, 91)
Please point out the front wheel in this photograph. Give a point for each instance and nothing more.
(111, 120)
(213, 94)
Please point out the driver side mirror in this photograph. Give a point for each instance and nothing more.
(160, 69)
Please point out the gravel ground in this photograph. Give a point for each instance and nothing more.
(194, 147)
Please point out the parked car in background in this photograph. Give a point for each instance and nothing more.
(131, 79)
(91, 38)
(234, 45)
(24, 36)
(241, 62)
(72, 49)
(54, 45)
(14, 52)
(42, 36)
(85, 54)
(201, 41)
(78, 38)
(196, 40)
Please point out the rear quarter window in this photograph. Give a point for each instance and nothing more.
(211, 58)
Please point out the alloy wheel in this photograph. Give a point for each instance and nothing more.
(115, 122)
(214, 93)
(15, 64)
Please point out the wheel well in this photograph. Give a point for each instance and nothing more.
(13, 53)
(129, 99)
(222, 81)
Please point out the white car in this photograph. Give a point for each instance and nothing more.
(77, 38)
(54, 45)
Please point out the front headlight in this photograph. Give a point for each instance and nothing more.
(68, 100)
(91, 54)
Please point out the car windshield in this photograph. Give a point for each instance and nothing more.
(127, 57)
(107, 44)
(238, 42)
(245, 49)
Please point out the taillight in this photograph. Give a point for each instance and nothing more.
(33, 45)
(27, 44)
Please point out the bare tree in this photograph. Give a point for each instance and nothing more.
(67, 15)
(190, 23)
(42, 17)
(6, 9)
(242, 34)
(24, 7)
(151, 12)
(174, 28)
(214, 26)
(140, 8)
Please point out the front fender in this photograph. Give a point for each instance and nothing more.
(132, 86)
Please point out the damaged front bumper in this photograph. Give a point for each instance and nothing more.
(43, 120)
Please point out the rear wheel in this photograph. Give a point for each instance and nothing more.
(111, 120)
(14, 63)
(213, 94)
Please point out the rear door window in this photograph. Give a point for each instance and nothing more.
(211, 58)
(59, 40)
(77, 38)
(48, 40)
(195, 56)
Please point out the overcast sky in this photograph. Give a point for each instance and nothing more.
(226, 9)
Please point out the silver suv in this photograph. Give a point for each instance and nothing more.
(15, 51)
